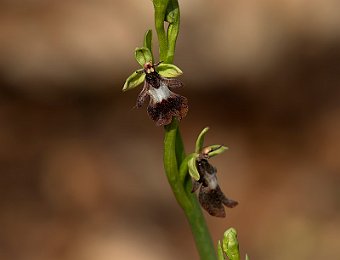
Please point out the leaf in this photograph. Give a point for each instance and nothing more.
(169, 70)
(192, 168)
(143, 55)
(133, 81)
(148, 41)
(200, 140)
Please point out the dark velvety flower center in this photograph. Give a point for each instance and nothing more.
(162, 112)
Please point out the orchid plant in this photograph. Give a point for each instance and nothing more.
(186, 173)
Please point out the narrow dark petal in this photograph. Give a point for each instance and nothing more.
(142, 95)
(172, 82)
(162, 112)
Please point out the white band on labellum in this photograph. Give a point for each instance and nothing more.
(159, 94)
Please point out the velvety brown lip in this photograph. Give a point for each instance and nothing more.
(212, 200)
(162, 112)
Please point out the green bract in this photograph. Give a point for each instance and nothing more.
(192, 168)
(143, 55)
(230, 244)
(220, 254)
(148, 41)
(229, 247)
(168, 70)
(133, 80)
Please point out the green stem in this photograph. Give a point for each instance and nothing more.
(181, 188)
(200, 231)
(175, 160)
(180, 151)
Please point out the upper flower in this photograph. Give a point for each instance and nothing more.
(164, 104)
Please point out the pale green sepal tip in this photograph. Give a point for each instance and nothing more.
(169, 70)
(160, 3)
(230, 244)
(143, 55)
(247, 257)
(220, 254)
(216, 149)
(200, 140)
(192, 168)
(133, 81)
(148, 41)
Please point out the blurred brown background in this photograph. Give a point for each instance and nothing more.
(81, 171)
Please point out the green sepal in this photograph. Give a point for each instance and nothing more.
(148, 41)
(220, 254)
(247, 257)
(230, 244)
(200, 140)
(133, 80)
(215, 149)
(192, 168)
(143, 55)
(168, 70)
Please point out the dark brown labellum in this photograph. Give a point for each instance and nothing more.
(212, 200)
(174, 106)
(210, 196)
